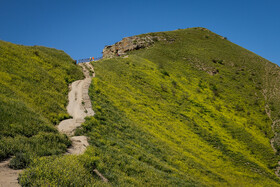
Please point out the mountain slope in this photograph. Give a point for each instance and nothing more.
(33, 95)
(188, 112)
(188, 109)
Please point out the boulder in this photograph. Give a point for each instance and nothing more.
(129, 44)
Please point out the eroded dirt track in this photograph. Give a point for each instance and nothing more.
(79, 107)
(8, 176)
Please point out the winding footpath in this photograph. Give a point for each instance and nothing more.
(79, 107)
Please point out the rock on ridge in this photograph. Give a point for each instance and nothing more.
(129, 44)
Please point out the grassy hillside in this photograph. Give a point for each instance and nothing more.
(33, 95)
(197, 111)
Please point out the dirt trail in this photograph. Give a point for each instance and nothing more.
(8, 176)
(79, 107)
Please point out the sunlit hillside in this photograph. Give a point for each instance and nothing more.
(194, 110)
(33, 95)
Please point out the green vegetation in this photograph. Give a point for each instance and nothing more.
(67, 170)
(164, 118)
(194, 110)
(33, 95)
(57, 171)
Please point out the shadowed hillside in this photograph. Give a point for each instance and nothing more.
(33, 95)
(191, 109)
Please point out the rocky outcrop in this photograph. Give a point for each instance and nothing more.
(129, 44)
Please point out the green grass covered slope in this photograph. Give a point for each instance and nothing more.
(33, 98)
(192, 110)
(195, 111)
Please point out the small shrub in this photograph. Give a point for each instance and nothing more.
(174, 83)
(155, 39)
(165, 73)
(164, 88)
(218, 107)
(20, 161)
(221, 62)
(218, 61)
(239, 108)
(215, 90)
(36, 53)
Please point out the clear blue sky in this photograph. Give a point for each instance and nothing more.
(82, 28)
